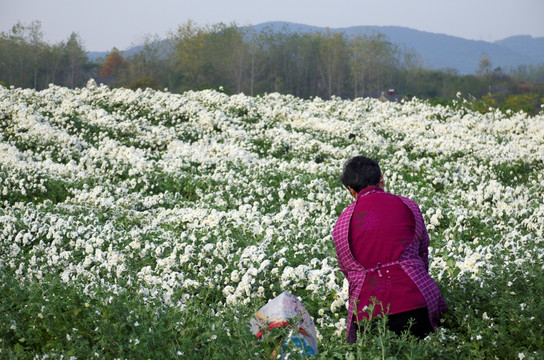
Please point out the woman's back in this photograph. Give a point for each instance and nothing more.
(382, 226)
(381, 229)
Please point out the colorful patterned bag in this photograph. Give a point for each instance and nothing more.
(277, 313)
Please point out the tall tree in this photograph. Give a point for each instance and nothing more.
(255, 49)
(226, 53)
(18, 57)
(190, 63)
(77, 58)
(53, 58)
(484, 66)
(37, 46)
(373, 61)
(149, 67)
(113, 64)
(333, 62)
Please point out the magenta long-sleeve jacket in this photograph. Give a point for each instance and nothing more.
(413, 261)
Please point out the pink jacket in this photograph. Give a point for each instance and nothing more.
(413, 261)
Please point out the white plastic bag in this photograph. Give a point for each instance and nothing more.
(277, 312)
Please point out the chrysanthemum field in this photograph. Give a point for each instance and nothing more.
(146, 224)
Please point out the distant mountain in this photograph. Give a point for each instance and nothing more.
(438, 51)
(441, 51)
(95, 55)
(525, 44)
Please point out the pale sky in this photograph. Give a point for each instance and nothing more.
(103, 24)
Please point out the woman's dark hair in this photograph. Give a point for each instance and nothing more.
(361, 172)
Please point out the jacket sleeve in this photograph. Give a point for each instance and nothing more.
(341, 264)
(421, 232)
(339, 234)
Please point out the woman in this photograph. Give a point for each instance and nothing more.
(382, 248)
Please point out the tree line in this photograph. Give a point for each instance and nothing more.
(239, 59)
(27, 61)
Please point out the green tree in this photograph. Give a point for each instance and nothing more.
(27, 61)
(190, 62)
(21, 48)
(149, 67)
(255, 48)
(359, 63)
(236, 53)
(332, 65)
(373, 61)
(484, 67)
(37, 46)
(52, 62)
(76, 59)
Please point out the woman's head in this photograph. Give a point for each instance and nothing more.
(361, 172)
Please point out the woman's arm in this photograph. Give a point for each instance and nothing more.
(421, 231)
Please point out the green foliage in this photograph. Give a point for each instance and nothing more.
(51, 189)
(376, 341)
(490, 321)
(55, 318)
(153, 214)
(144, 83)
(521, 102)
(424, 83)
(27, 61)
(515, 173)
(528, 103)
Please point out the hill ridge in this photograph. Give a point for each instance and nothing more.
(437, 51)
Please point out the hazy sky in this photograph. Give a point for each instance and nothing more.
(103, 24)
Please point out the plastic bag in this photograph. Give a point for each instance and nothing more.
(277, 312)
